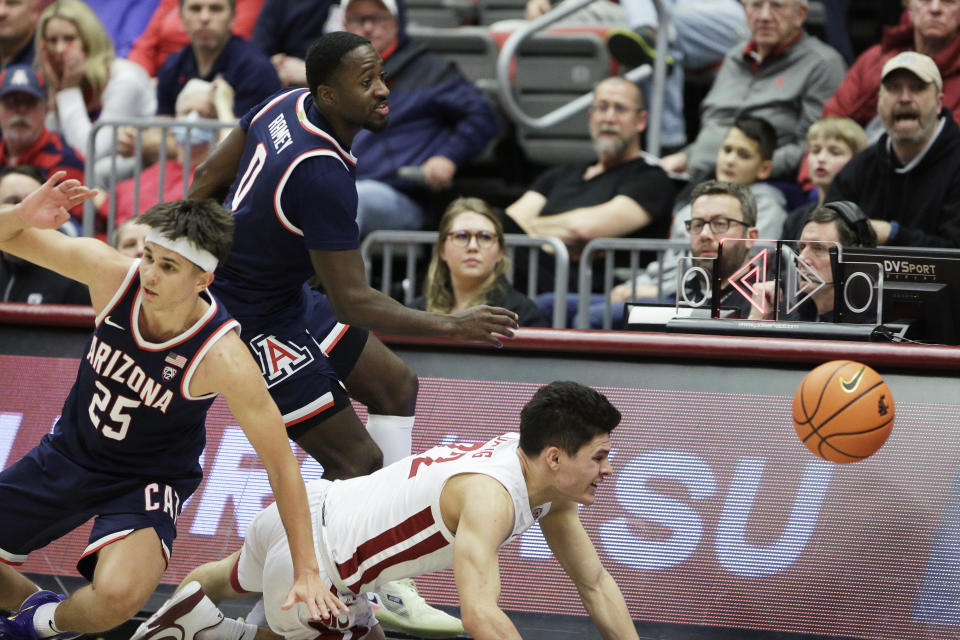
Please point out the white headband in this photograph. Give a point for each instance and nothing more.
(185, 247)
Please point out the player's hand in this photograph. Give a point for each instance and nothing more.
(46, 208)
(483, 324)
(309, 589)
(438, 172)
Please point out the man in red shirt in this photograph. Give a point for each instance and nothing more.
(23, 108)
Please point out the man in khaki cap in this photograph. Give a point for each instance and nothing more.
(908, 182)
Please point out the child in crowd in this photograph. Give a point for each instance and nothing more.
(831, 142)
(745, 157)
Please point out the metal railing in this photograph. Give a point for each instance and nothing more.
(609, 247)
(140, 125)
(578, 105)
(414, 243)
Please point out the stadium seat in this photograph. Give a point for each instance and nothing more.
(550, 70)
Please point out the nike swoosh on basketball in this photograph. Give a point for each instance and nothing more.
(113, 324)
(851, 385)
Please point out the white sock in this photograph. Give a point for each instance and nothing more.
(43, 620)
(393, 434)
(229, 629)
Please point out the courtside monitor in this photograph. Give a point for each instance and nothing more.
(920, 289)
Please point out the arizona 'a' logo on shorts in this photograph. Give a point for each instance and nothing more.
(279, 359)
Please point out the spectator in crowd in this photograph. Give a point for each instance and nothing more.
(17, 24)
(22, 281)
(929, 27)
(821, 227)
(213, 54)
(23, 109)
(130, 238)
(831, 143)
(438, 121)
(908, 182)
(744, 158)
(284, 31)
(165, 33)
(213, 51)
(623, 194)
(782, 74)
(197, 99)
(701, 33)
(721, 212)
(86, 83)
(469, 265)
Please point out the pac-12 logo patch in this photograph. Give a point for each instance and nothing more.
(279, 359)
(168, 373)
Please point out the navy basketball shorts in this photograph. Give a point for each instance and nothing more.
(297, 366)
(46, 495)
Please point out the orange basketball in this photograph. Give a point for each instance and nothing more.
(843, 411)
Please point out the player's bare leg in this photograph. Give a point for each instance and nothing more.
(382, 381)
(342, 445)
(388, 387)
(214, 578)
(127, 572)
(14, 588)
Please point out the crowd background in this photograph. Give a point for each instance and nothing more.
(776, 95)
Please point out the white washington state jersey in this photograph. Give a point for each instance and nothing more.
(388, 525)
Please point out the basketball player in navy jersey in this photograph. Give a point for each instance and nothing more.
(125, 450)
(294, 201)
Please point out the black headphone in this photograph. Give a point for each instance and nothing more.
(854, 217)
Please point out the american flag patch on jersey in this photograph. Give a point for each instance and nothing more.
(175, 360)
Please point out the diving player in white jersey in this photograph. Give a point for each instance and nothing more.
(450, 506)
(125, 450)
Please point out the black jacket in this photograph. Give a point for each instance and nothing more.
(924, 201)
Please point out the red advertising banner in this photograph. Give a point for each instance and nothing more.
(716, 513)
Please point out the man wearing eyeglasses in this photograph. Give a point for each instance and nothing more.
(723, 211)
(438, 121)
(782, 75)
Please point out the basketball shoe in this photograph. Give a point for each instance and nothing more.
(181, 617)
(20, 625)
(399, 607)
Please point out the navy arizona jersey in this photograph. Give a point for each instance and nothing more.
(130, 411)
(295, 191)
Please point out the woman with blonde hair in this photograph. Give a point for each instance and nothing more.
(86, 82)
(469, 265)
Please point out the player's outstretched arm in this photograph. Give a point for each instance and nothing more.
(485, 520)
(213, 177)
(343, 276)
(576, 554)
(229, 369)
(29, 230)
